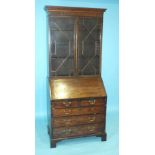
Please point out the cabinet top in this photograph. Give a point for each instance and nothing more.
(77, 87)
(75, 10)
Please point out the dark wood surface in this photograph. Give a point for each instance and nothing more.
(78, 131)
(77, 120)
(85, 118)
(77, 106)
(80, 87)
(77, 111)
(78, 103)
(75, 11)
(75, 41)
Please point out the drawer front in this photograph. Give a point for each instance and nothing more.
(77, 120)
(78, 131)
(77, 111)
(78, 103)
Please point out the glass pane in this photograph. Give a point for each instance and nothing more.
(62, 45)
(89, 46)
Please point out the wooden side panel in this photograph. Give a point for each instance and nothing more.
(49, 127)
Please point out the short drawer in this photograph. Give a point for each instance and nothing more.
(77, 120)
(77, 111)
(78, 130)
(78, 103)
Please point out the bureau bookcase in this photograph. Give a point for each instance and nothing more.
(78, 99)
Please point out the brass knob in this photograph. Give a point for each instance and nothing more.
(92, 128)
(67, 111)
(67, 104)
(67, 121)
(91, 119)
(92, 102)
(67, 131)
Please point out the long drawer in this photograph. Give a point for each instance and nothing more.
(77, 120)
(78, 103)
(77, 111)
(78, 130)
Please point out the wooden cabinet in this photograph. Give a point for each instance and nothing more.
(78, 98)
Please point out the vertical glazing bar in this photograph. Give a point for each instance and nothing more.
(74, 32)
(101, 32)
(49, 46)
(76, 46)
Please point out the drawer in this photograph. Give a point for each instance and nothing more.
(77, 120)
(78, 103)
(77, 111)
(78, 130)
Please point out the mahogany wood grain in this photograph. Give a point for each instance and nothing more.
(77, 111)
(78, 87)
(77, 120)
(74, 11)
(78, 99)
(78, 130)
(78, 103)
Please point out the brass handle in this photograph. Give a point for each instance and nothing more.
(91, 119)
(67, 111)
(67, 131)
(67, 104)
(67, 121)
(91, 128)
(92, 102)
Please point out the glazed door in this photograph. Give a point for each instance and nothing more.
(61, 44)
(89, 45)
